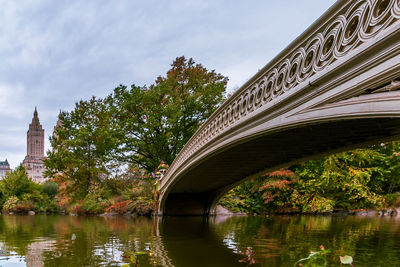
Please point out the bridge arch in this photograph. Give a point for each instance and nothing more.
(336, 87)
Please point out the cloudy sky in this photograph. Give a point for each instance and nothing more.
(54, 53)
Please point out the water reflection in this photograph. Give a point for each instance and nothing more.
(281, 241)
(195, 241)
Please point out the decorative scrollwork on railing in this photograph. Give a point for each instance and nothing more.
(354, 23)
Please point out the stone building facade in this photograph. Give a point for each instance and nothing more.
(4, 168)
(33, 161)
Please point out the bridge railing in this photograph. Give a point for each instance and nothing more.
(345, 27)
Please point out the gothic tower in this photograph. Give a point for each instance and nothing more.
(33, 161)
(35, 138)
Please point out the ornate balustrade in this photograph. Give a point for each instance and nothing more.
(347, 28)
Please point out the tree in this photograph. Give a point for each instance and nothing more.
(16, 183)
(155, 122)
(82, 146)
(389, 180)
(50, 188)
(344, 180)
(357, 179)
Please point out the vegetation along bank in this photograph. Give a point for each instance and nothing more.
(107, 154)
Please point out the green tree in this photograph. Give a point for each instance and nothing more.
(20, 194)
(82, 146)
(389, 180)
(341, 180)
(17, 183)
(361, 178)
(50, 188)
(155, 122)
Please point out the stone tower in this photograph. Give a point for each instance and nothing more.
(33, 161)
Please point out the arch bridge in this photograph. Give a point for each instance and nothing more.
(334, 88)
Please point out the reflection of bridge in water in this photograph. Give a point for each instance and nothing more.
(180, 240)
(336, 87)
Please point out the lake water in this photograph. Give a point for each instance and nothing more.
(194, 241)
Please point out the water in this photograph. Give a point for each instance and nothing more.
(195, 241)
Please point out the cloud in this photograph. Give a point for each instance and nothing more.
(13, 145)
(55, 53)
(12, 101)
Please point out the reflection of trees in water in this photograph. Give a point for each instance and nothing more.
(278, 240)
(94, 241)
(194, 241)
(99, 240)
(76, 241)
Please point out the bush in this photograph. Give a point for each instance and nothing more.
(77, 209)
(393, 200)
(11, 204)
(244, 198)
(17, 183)
(141, 206)
(234, 201)
(39, 202)
(119, 207)
(50, 188)
(312, 203)
(92, 206)
(52, 207)
(34, 196)
(24, 207)
(46, 206)
(140, 196)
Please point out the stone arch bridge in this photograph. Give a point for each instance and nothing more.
(335, 87)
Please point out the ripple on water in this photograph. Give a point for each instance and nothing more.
(234, 241)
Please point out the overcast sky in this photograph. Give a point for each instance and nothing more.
(54, 53)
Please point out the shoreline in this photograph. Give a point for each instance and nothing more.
(221, 211)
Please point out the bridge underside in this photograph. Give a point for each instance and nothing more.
(334, 88)
(196, 192)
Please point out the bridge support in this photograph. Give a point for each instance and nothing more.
(187, 204)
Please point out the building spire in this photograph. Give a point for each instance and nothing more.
(33, 161)
(35, 124)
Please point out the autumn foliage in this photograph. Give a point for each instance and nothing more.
(96, 145)
(360, 179)
(119, 207)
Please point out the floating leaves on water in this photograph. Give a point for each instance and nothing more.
(316, 258)
(346, 259)
(249, 256)
(140, 258)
